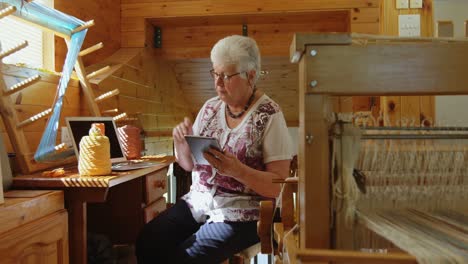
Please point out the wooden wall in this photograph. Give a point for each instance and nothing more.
(134, 12)
(153, 85)
(273, 34)
(149, 94)
(149, 91)
(398, 108)
(191, 28)
(185, 38)
(106, 15)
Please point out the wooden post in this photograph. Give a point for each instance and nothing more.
(91, 49)
(7, 11)
(313, 166)
(21, 85)
(343, 256)
(34, 118)
(86, 25)
(16, 48)
(119, 116)
(107, 95)
(4, 168)
(98, 72)
(77, 232)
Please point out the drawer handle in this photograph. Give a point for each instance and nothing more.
(160, 184)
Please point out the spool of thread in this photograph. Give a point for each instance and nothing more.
(129, 137)
(101, 127)
(94, 157)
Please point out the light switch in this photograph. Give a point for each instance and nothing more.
(402, 4)
(416, 3)
(409, 25)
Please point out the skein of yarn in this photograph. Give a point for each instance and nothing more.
(94, 157)
(129, 137)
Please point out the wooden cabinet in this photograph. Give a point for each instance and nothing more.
(128, 207)
(33, 228)
(154, 209)
(112, 205)
(155, 187)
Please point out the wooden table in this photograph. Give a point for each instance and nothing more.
(122, 190)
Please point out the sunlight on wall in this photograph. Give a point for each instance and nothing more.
(40, 51)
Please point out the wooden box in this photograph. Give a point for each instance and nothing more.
(33, 228)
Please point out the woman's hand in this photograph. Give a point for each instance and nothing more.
(182, 129)
(259, 181)
(183, 155)
(226, 163)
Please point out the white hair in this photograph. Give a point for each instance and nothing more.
(237, 50)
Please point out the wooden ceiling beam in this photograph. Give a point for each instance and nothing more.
(147, 8)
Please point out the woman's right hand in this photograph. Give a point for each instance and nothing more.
(184, 158)
(182, 129)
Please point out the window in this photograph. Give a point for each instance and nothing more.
(40, 50)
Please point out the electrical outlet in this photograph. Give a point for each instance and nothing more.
(409, 25)
(402, 4)
(416, 3)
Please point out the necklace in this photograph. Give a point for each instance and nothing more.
(249, 102)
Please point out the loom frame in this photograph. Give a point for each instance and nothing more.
(356, 64)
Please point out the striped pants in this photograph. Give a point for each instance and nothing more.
(175, 237)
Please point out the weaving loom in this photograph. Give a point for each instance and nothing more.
(409, 186)
(378, 190)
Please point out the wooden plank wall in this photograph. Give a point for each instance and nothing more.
(149, 86)
(134, 12)
(190, 28)
(149, 94)
(106, 15)
(398, 108)
(193, 37)
(273, 34)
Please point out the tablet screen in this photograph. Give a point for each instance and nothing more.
(199, 144)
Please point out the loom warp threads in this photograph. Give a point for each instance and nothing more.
(416, 193)
(95, 153)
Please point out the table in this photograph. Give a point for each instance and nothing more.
(120, 195)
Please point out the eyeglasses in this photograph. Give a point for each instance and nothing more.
(225, 78)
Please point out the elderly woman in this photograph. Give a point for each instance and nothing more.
(218, 217)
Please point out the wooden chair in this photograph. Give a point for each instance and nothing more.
(265, 224)
(272, 234)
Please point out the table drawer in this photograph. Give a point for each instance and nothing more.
(155, 185)
(154, 209)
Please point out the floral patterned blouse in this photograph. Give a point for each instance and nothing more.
(261, 137)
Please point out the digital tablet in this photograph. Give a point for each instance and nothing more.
(199, 144)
